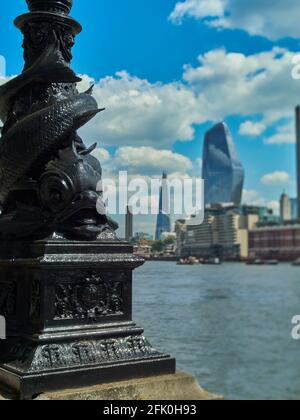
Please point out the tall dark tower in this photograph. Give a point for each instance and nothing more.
(129, 224)
(163, 219)
(298, 156)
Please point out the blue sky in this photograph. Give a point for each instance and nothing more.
(167, 70)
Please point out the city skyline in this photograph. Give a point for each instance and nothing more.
(149, 195)
(173, 86)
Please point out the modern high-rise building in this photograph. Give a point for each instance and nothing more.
(298, 157)
(294, 208)
(129, 225)
(223, 172)
(163, 218)
(285, 208)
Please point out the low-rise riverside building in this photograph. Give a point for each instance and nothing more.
(223, 234)
(180, 230)
(275, 242)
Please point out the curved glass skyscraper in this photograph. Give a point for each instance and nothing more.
(163, 218)
(223, 172)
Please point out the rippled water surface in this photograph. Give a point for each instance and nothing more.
(229, 325)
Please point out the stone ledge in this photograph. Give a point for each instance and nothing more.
(179, 387)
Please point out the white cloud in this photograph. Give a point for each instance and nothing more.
(143, 119)
(258, 84)
(198, 9)
(253, 198)
(272, 19)
(101, 154)
(146, 162)
(276, 179)
(275, 206)
(149, 161)
(140, 113)
(285, 134)
(250, 128)
(143, 114)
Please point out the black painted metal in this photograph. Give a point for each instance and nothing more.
(68, 307)
(49, 181)
(65, 279)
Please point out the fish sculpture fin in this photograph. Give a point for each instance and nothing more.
(86, 117)
(51, 68)
(48, 68)
(55, 72)
(89, 150)
(90, 90)
(91, 114)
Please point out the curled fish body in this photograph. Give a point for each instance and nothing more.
(38, 135)
(32, 139)
(47, 69)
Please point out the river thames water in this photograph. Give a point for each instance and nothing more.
(229, 325)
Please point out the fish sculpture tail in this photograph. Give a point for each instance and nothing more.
(48, 68)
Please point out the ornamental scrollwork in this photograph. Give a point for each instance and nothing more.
(90, 298)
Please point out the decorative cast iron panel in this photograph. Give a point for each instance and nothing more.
(81, 353)
(92, 297)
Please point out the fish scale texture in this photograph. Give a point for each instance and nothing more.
(35, 136)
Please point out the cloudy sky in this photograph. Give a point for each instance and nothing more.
(167, 70)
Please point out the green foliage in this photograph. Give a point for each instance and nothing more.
(169, 241)
(158, 246)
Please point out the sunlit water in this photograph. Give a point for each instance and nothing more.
(229, 325)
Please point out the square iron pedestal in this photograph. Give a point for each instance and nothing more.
(68, 309)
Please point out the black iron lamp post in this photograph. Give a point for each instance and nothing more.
(65, 278)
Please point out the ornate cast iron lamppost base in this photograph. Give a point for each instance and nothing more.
(68, 307)
(67, 301)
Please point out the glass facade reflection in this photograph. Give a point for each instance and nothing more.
(163, 218)
(223, 171)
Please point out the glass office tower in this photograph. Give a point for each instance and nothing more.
(223, 172)
(163, 218)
